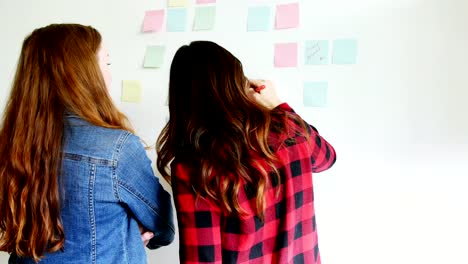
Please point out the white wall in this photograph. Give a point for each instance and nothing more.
(397, 118)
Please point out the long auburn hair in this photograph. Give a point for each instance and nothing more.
(57, 72)
(215, 127)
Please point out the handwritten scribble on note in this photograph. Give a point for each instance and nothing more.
(316, 52)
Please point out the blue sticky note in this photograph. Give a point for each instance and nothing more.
(204, 18)
(344, 51)
(259, 18)
(315, 94)
(176, 20)
(316, 52)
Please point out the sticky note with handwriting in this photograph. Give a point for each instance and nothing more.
(316, 52)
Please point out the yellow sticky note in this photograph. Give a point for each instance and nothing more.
(177, 3)
(131, 91)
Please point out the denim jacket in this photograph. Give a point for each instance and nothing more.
(108, 188)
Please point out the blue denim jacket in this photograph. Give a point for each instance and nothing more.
(108, 187)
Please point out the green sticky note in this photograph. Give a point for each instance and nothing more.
(154, 57)
(344, 51)
(204, 18)
(315, 94)
(177, 3)
(131, 91)
(259, 18)
(316, 52)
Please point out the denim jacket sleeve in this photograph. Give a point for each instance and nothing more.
(136, 186)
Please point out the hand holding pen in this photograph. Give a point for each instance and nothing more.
(263, 92)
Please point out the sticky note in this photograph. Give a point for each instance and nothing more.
(153, 20)
(176, 20)
(204, 18)
(131, 91)
(344, 51)
(259, 18)
(154, 57)
(286, 55)
(287, 16)
(316, 52)
(177, 3)
(206, 1)
(315, 94)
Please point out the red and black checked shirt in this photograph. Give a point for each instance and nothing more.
(288, 233)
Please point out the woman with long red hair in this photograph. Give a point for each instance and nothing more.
(241, 164)
(76, 185)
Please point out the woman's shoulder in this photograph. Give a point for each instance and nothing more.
(180, 170)
(84, 138)
(287, 128)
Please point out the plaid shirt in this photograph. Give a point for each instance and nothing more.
(288, 233)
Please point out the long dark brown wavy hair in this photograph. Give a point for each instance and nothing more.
(57, 72)
(215, 128)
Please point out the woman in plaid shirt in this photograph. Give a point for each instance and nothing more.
(241, 164)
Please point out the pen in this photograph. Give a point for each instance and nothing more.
(259, 88)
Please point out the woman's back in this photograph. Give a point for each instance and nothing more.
(74, 191)
(106, 188)
(242, 163)
(287, 233)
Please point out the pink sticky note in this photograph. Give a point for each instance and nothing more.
(206, 1)
(286, 55)
(287, 16)
(153, 20)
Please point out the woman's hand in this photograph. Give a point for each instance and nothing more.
(146, 235)
(263, 92)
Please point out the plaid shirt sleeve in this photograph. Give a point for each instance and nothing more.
(199, 222)
(323, 155)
